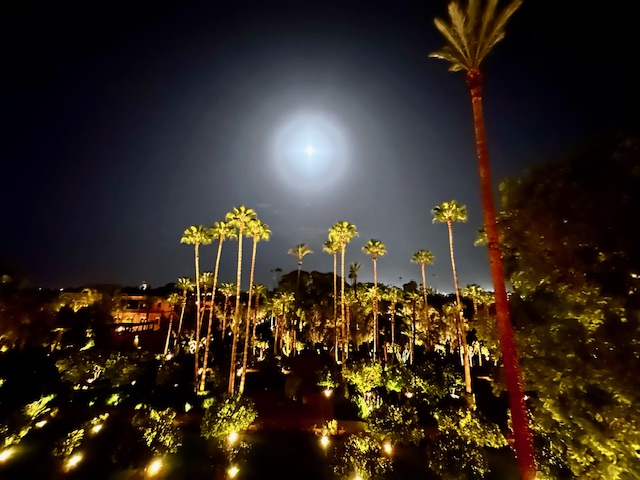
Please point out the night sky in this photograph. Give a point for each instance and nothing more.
(123, 123)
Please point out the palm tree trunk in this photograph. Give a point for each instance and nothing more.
(205, 360)
(376, 334)
(459, 319)
(426, 308)
(197, 351)
(236, 319)
(166, 344)
(247, 330)
(224, 315)
(345, 354)
(523, 440)
(184, 305)
(335, 305)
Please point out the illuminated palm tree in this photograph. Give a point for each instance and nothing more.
(220, 231)
(470, 37)
(422, 258)
(332, 247)
(376, 249)
(393, 295)
(354, 268)
(299, 251)
(238, 219)
(449, 212)
(257, 230)
(197, 235)
(343, 232)
(185, 285)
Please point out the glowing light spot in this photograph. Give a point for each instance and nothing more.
(233, 472)
(388, 449)
(327, 392)
(154, 467)
(96, 428)
(324, 441)
(6, 454)
(41, 423)
(73, 461)
(233, 437)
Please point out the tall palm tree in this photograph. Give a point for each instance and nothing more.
(376, 249)
(220, 231)
(197, 235)
(343, 232)
(299, 251)
(238, 218)
(354, 268)
(257, 230)
(449, 212)
(470, 36)
(185, 285)
(332, 247)
(173, 300)
(393, 295)
(422, 258)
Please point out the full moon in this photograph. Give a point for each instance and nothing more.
(310, 152)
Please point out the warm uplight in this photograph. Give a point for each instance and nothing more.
(324, 441)
(6, 454)
(388, 449)
(233, 437)
(96, 428)
(233, 472)
(73, 461)
(327, 392)
(41, 423)
(154, 467)
(408, 394)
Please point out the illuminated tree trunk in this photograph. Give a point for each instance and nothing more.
(236, 318)
(207, 344)
(247, 330)
(376, 334)
(197, 350)
(523, 440)
(460, 320)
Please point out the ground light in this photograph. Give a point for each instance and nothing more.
(233, 472)
(233, 436)
(73, 461)
(6, 454)
(324, 441)
(154, 467)
(388, 448)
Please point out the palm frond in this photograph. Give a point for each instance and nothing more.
(459, 29)
(488, 15)
(450, 36)
(496, 32)
(450, 56)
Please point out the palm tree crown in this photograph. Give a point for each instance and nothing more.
(471, 34)
(300, 251)
(448, 212)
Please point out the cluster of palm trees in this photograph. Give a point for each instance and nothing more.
(241, 222)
